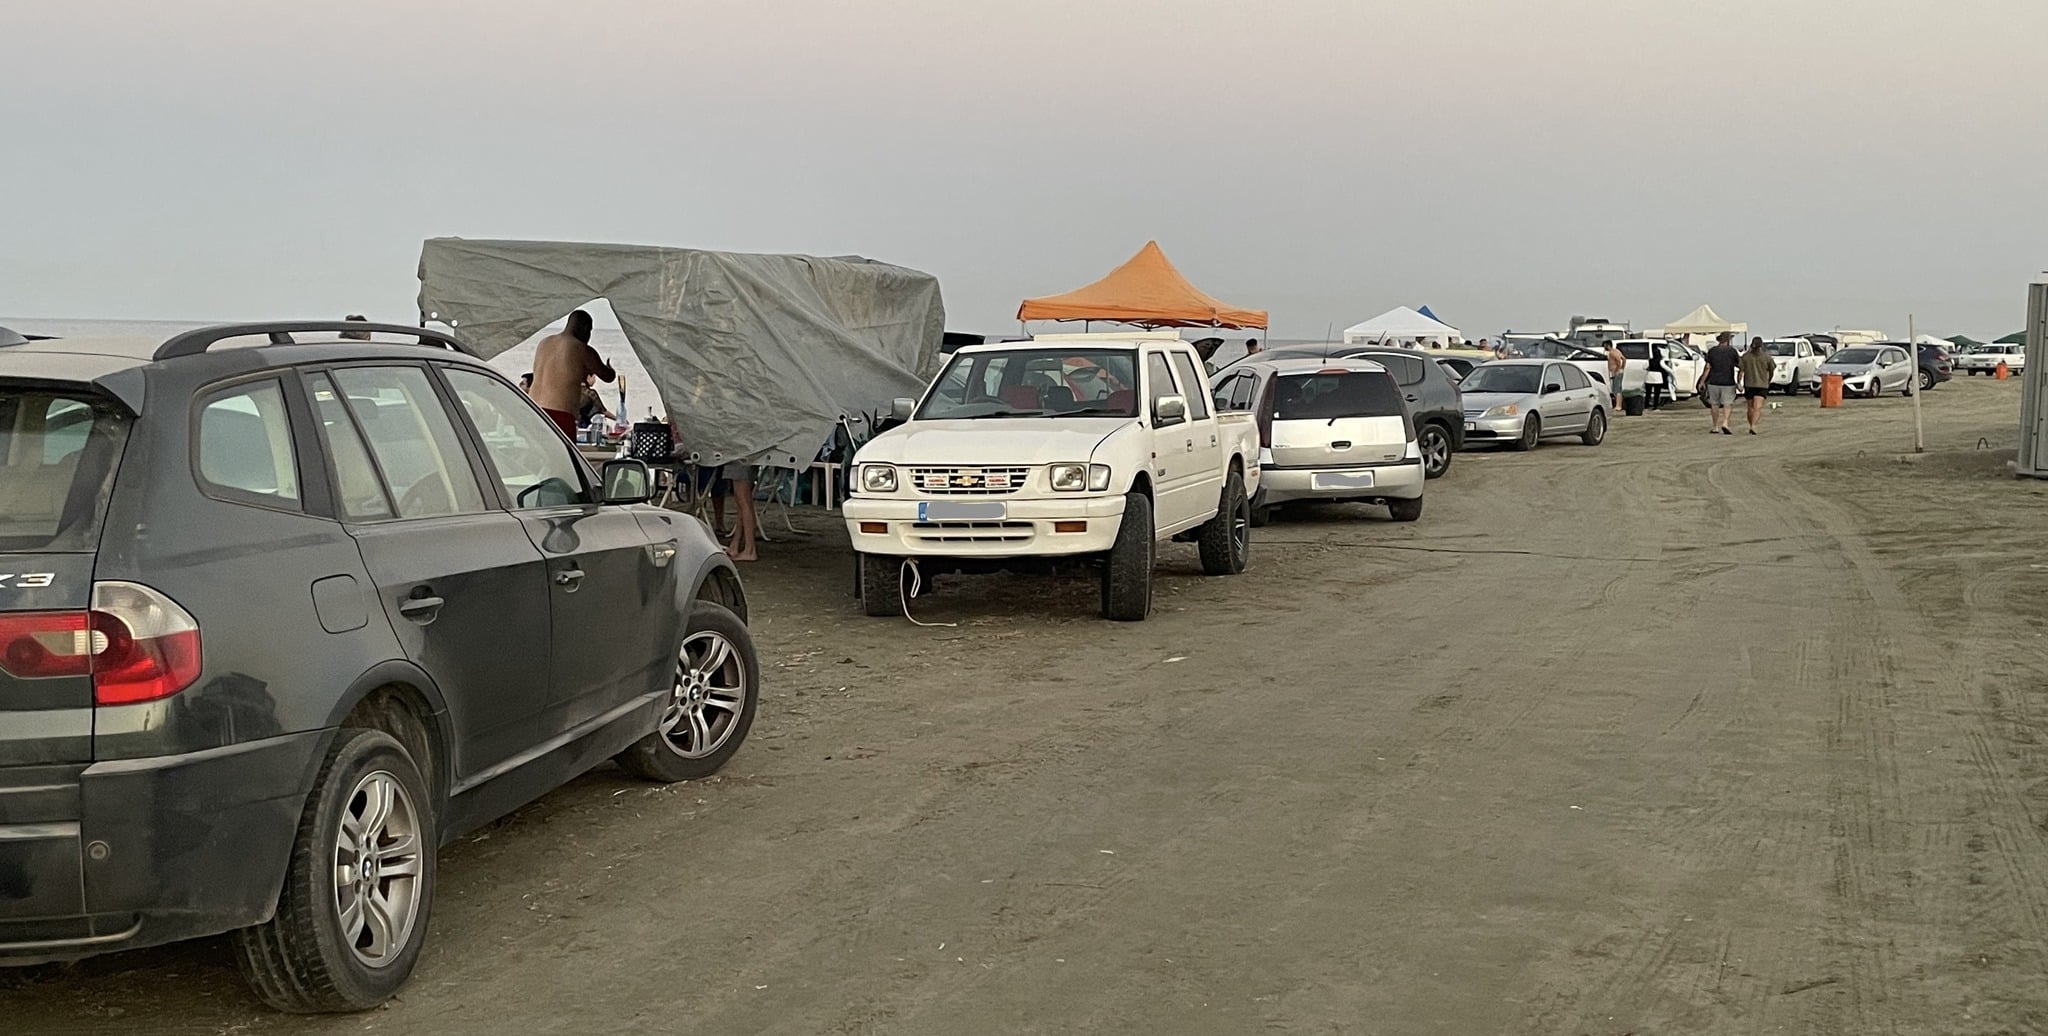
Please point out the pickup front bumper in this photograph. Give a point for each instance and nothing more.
(1026, 528)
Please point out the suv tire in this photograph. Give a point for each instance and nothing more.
(1226, 539)
(303, 959)
(1405, 510)
(1434, 442)
(881, 585)
(1127, 571)
(716, 687)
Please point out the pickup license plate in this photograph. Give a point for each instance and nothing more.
(959, 511)
(1342, 480)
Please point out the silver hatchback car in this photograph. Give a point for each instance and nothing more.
(1329, 430)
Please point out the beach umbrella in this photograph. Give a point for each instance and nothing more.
(2015, 338)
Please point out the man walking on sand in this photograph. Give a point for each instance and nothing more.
(560, 364)
(1718, 383)
(1758, 367)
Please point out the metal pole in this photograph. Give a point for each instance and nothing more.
(1913, 350)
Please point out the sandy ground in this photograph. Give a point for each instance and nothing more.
(1675, 735)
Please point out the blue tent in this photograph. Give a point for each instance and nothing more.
(1425, 312)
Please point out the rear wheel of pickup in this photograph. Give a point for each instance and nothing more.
(881, 585)
(1405, 510)
(1127, 571)
(353, 914)
(1226, 539)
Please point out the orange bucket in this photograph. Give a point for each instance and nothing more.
(2003, 371)
(1830, 390)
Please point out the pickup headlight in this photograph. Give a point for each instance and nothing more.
(878, 478)
(1503, 410)
(1069, 478)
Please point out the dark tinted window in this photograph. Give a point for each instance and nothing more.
(57, 456)
(1324, 395)
(532, 460)
(1635, 350)
(1241, 393)
(245, 446)
(1408, 370)
(1574, 378)
(409, 432)
(1198, 403)
(1162, 376)
(355, 477)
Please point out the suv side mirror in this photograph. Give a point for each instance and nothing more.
(628, 481)
(902, 407)
(1169, 410)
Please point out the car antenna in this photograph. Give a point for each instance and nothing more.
(1329, 332)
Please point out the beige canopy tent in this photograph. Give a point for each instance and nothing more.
(1703, 321)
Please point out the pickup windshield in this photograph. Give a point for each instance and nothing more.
(57, 454)
(1035, 383)
(1781, 348)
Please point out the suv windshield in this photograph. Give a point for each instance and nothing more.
(1516, 377)
(57, 454)
(1035, 383)
(1325, 395)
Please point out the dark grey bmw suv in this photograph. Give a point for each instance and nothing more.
(282, 612)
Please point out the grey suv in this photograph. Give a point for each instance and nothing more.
(279, 617)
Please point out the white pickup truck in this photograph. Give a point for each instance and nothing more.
(1046, 453)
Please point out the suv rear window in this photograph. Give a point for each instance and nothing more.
(1320, 396)
(57, 455)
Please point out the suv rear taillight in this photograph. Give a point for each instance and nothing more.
(135, 643)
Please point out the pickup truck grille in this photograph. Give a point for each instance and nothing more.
(968, 481)
(971, 532)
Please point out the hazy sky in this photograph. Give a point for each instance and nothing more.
(1798, 163)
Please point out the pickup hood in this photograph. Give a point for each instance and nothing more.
(1011, 441)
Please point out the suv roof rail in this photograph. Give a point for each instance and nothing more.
(194, 342)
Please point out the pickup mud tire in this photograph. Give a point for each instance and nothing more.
(881, 585)
(1127, 570)
(1226, 539)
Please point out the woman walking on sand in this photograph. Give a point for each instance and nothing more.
(1758, 367)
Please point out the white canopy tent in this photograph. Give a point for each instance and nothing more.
(1401, 324)
(1703, 321)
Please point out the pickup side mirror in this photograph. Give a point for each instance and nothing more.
(1169, 410)
(902, 407)
(628, 481)
(1552, 387)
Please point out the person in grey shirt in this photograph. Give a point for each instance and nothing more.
(1718, 383)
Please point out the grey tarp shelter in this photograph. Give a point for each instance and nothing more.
(756, 357)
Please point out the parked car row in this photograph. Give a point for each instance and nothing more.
(278, 620)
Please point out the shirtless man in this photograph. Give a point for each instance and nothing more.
(560, 365)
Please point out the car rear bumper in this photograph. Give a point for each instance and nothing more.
(124, 854)
(1027, 528)
(1401, 481)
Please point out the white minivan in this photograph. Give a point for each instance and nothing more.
(1329, 430)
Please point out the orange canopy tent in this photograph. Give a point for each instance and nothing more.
(1146, 291)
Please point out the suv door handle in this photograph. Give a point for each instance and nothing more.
(422, 610)
(569, 577)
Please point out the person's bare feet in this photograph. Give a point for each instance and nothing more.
(733, 551)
